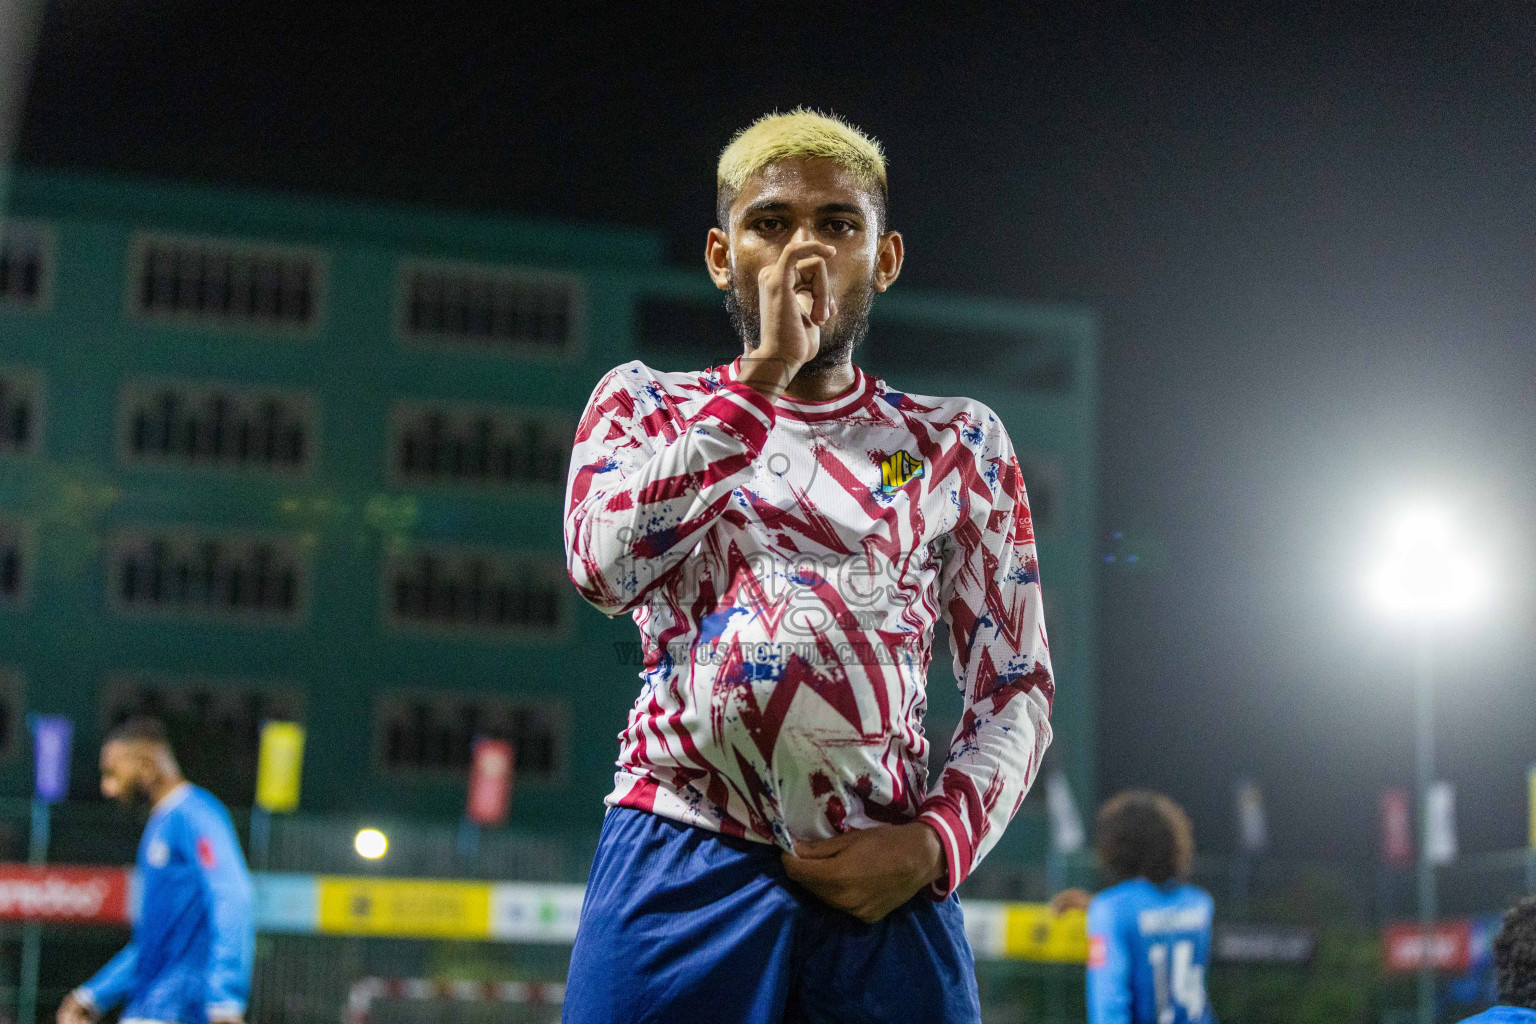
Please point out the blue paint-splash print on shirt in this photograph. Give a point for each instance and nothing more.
(1023, 574)
(654, 543)
(1016, 669)
(763, 671)
(664, 665)
(713, 625)
(806, 578)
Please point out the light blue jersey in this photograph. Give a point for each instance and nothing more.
(194, 943)
(1148, 950)
(1504, 1015)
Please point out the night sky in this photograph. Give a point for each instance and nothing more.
(1311, 238)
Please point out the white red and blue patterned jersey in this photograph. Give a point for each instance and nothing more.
(786, 562)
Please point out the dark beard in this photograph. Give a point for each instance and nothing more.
(839, 337)
(136, 793)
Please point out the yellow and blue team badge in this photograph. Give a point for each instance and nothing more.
(897, 470)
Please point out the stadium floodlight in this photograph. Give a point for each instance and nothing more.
(371, 843)
(1425, 575)
(1424, 571)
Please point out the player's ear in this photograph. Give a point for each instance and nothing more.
(888, 259)
(717, 257)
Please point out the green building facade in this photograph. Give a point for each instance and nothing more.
(266, 456)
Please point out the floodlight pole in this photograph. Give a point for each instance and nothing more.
(1424, 679)
(32, 934)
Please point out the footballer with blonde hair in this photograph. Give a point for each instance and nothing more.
(786, 531)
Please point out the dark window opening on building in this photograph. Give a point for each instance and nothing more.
(682, 327)
(1026, 362)
(225, 283)
(442, 445)
(214, 725)
(490, 308)
(25, 264)
(13, 564)
(202, 575)
(436, 733)
(476, 591)
(199, 425)
(20, 395)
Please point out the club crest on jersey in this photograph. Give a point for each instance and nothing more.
(897, 470)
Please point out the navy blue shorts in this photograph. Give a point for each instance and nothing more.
(684, 926)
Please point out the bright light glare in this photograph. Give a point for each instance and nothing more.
(370, 843)
(1423, 570)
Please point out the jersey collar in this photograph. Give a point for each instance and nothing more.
(173, 799)
(859, 394)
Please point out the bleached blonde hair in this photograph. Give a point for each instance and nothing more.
(803, 134)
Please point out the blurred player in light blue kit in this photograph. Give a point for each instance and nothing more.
(1149, 933)
(194, 943)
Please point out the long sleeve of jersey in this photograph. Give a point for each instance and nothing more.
(1110, 994)
(642, 492)
(113, 983)
(230, 903)
(990, 596)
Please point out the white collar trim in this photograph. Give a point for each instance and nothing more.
(173, 799)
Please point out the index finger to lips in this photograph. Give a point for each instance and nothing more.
(807, 247)
(807, 303)
(821, 288)
(795, 252)
(812, 278)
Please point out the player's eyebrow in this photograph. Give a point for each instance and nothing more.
(780, 206)
(767, 206)
(827, 208)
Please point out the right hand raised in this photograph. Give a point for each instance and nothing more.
(73, 1011)
(794, 297)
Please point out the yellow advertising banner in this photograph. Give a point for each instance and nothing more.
(405, 908)
(279, 767)
(1032, 931)
(1531, 781)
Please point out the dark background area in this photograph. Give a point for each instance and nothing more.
(1310, 236)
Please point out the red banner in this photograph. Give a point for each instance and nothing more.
(1396, 829)
(1450, 946)
(66, 895)
(490, 782)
